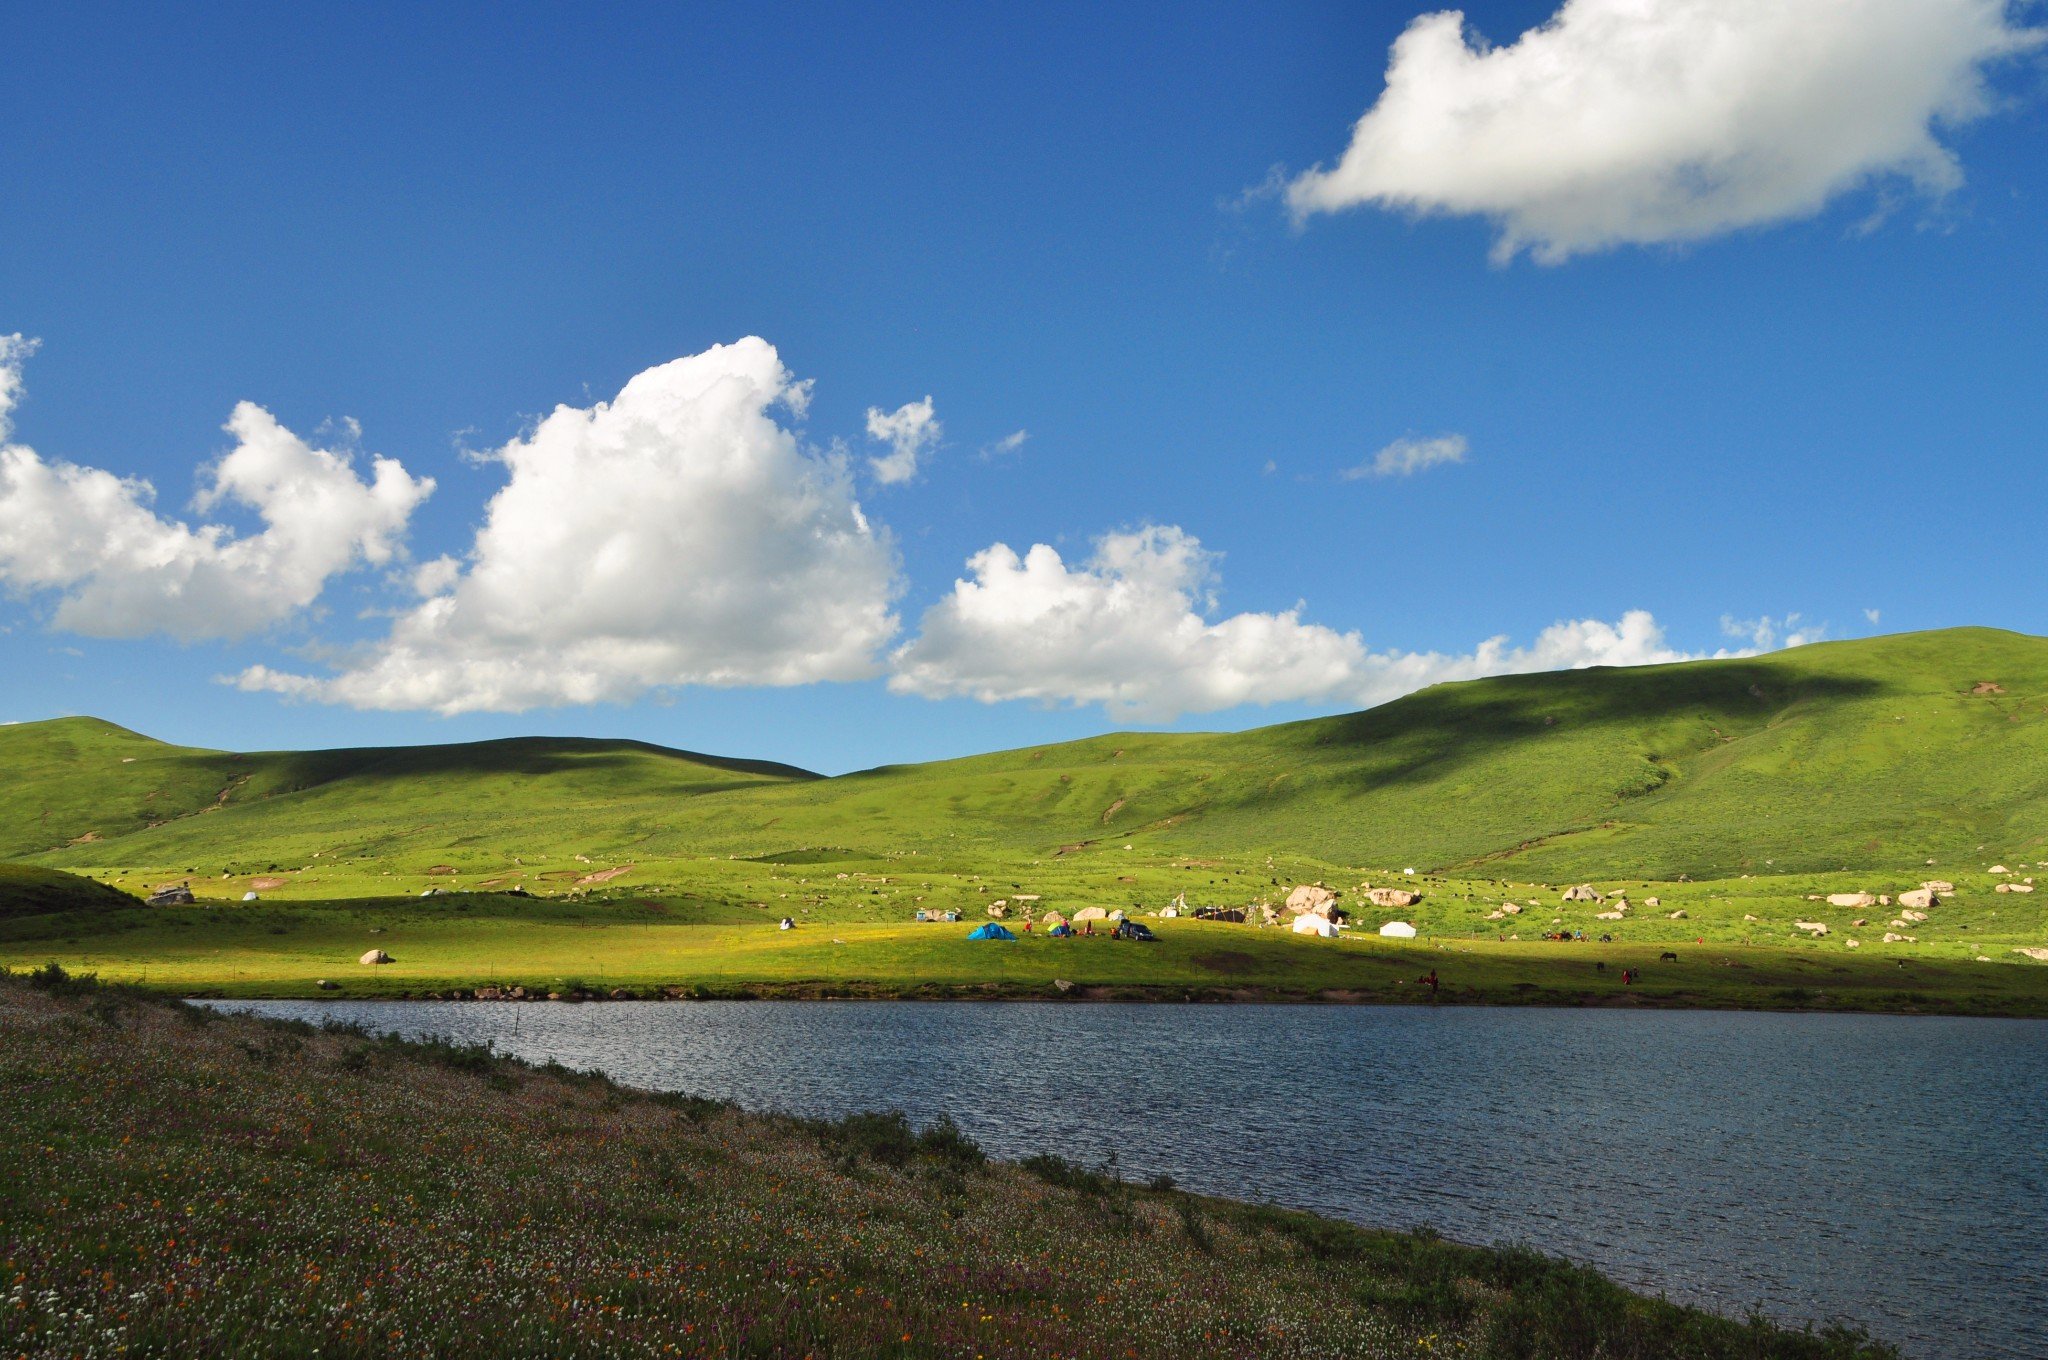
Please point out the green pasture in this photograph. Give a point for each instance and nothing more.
(1736, 792)
(1876, 754)
(723, 939)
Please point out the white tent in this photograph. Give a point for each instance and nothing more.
(1398, 930)
(1315, 925)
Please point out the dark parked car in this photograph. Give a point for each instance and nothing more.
(1131, 930)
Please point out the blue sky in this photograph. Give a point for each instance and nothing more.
(1073, 222)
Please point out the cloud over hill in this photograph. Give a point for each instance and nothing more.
(1130, 629)
(675, 535)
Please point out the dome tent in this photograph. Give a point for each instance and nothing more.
(991, 931)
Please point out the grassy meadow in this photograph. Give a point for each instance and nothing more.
(175, 1182)
(1735, 792)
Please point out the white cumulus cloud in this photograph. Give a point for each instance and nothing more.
(1644, 121)
(909, 431)
(121, 570)
(676, 535)
(1131, 629)
(1406, 457)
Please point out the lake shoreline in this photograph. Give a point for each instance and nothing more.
(861, 1235)
(1114, 994)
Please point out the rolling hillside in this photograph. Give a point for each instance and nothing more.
(1880, 753)
(77, 786)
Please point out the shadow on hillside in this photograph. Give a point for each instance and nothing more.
(1450, 726)
(281, 772)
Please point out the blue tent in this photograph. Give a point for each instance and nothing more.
(991, 931)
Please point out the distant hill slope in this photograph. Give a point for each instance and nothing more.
(1880, 752)
(75, 782)
(1874, 753)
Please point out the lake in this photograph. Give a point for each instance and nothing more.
(1887, 1170)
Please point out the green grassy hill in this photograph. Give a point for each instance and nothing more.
(77, 786)
(1867, 754)
(1876, 754)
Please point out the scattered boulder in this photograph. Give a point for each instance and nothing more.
(1608, 916)
(374, 956)
(1884, 899)
(1890, 938)
(1813, 928)
(1678, 915)
(1920, 898)
(1859, 922)
(1940, 887)
(1652, 902)
(1855, 944)
(2035, 953)
(1309, 897)
(1392, 897)
(1998, 869)
(998, 909)
(1854, 899)
(2015, 887)
(1063, 984)
(1510, 909)
(1914, 915)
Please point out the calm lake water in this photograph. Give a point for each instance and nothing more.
(1887, 1170)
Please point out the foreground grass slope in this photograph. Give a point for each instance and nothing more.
(1877, 754)
(175, 1183)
